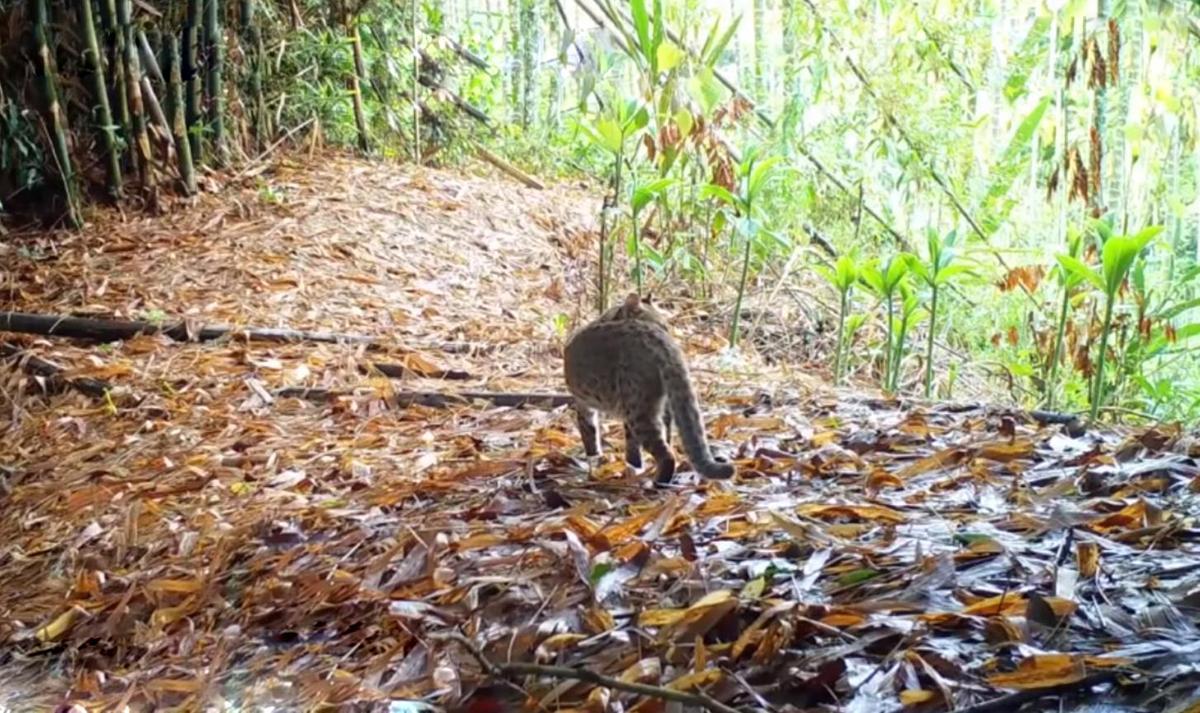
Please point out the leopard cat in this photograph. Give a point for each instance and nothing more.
(626, 363)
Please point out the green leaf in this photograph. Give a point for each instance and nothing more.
(706, 90)
(1026, 57)
(641, 25)
(721, 193)
(656, 39)
(1012, 163)
(611, 135)
(948, 272)
(897, 268)
(712, 52)
(642, 195)
(845, 272)
(760, 174)
(873, 277)
(1177, 309)
(1081, 272)
(1118, 256)
(683, 119)
(669, 56)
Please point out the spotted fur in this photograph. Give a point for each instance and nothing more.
(626, 364)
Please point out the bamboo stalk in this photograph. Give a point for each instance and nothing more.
(137, 112)
(57, 118)
(183, 147)
(191, 79)
(356, 80)
(215, 45)
(261, 71)
(416, 86)
(255, 59)
(150, 99)
(116, 65)
(108, 133)
(149, 60)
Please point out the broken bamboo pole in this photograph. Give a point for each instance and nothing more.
(508, 168)
(435, 399)
(113, 330)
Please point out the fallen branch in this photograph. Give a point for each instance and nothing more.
(399, 371)
(53, 373)
(508, 168)
(115, 330)
(434, 399)
(513, 668)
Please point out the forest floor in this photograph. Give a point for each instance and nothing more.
(200, 537)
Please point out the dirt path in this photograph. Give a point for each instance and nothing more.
(205, 543)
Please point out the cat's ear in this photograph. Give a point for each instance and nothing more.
(633, 301)
(649, 300)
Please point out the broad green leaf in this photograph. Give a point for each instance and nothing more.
(669, 56)
(873, 277)
(638, 120)
(948, 272)
(760, 174)
(1119, 253)
(897, 268)
(748, 226)
(706, 90)
(683, 119)
(712, 190)
(1083, 273)
(917, 267)
(612, 138)
(845, 272)
(642, 195)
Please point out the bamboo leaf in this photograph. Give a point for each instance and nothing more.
(1010, 165)
(641, 25)
(714, 52)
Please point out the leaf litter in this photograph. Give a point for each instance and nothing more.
(206, 543)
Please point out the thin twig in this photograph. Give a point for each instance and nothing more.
(508, 670)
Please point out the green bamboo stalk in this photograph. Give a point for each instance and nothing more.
(215, 45)
(183, 147)
(137, 113)
(108, 133)
(356, 79)
(255, 59)
(262, 67)
(57, 117)
(116, 66)
(191, 79)
(149, 58)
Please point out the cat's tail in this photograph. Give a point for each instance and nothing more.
(685, 411)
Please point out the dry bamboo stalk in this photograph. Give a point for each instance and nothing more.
(57, 117)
